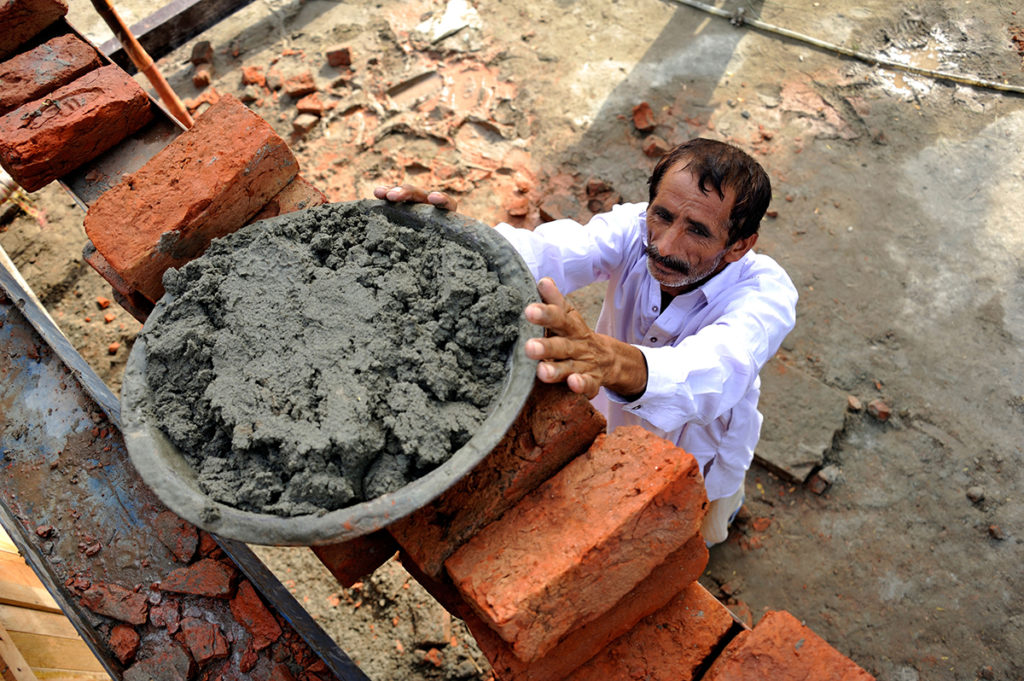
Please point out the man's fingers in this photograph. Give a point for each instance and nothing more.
(408, 193)
(549, 292)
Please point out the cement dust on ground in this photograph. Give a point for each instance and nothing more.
(897, 201)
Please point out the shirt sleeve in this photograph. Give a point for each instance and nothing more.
(573, 254)
(708, 373)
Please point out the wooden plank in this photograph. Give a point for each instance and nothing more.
(55, 653)
(35, 597)
(14, 667)
(15, 618)
(43, 674)
(6, 543)
(172, 25)
(14, 569)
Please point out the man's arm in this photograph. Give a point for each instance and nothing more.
(574, 353)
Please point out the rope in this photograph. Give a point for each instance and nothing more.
(738, 19)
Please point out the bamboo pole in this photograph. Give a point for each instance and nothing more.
(142, 61)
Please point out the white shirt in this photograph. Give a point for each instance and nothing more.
(704, 351)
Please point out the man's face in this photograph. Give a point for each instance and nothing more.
(688, 232)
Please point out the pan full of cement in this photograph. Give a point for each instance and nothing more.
(316, 376)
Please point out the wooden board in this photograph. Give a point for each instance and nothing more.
(50, 652)
(13, 666)
(18, 619)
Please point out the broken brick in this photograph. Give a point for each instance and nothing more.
(353, 559)
(298, 194)
(49, 137)
(202, 76)
(202, 53)
(554, 426)
(253, 75)
(339, 56)
(304, 122)
(206, 183)
(170, 663)
(124, 642)
(312, 104)
(299, 85)
(669, 645)
(249, 610)
(558, 205)
(658, 589)
(24, 19)
(166, 615)
(116, 602)
(655, 147)
(206, 577)
(568, 551)
(880, 410)
(179, 536)
(112, 350)
(41, 70)
(782, 649)
(204, 639)
(643, 117)
(102, 302)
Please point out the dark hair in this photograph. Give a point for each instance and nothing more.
(722, 165)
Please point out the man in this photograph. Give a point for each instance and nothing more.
(690, 316)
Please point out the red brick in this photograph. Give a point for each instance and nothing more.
(561, 204)
(880, 410)
(166, 615)
(179, 536)
(204, 639)
(571, 549)
(351, 560)
(643, 117)
(116, 602)
(43, 69)
(298, 194)
(206, 577)
(339, 56)
(554, 426)
(299, 85)
(49, 137)
(253, 75)
(782, 649)
(663, 584)
(170, 663)
(124, 642)
(23, 19)
(207, 183)
(655, 147)
(670, 645)
(249, 611)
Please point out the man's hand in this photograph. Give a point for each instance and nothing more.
(408, 193)
(573, 353)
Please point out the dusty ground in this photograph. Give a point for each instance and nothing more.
(899, 219)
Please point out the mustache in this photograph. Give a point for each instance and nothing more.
(668, 261)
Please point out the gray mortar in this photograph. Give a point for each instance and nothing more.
(323, 358)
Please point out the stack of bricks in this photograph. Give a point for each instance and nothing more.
(573, 555)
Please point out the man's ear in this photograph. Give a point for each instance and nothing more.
(739, 248)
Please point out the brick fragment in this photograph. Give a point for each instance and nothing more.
(179, 536)
(43, 69)
(207, 183)
(351, 560)
(880, 410)
(206, 577)
(298, 194)
(655, 147)
(669, 645)
(571, 549)
(116, 602)
(49, 137)
(253, 75)
(339, 56)
(251, 613)
(664, 583)
(643, 117)
(304, 122)
(204, 639)
(782, 649)
(171, 662)
(124, 642)
(312, 104)
(558, 205)
(299, 85)
(23, 19)
(202, 76)
(166, 615)
(554, 426)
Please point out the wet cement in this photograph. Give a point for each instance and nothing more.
(316, 360)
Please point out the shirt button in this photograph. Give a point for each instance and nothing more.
(653, 339)
(636, 407)
(654, 308)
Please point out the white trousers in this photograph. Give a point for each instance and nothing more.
(720, 511)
